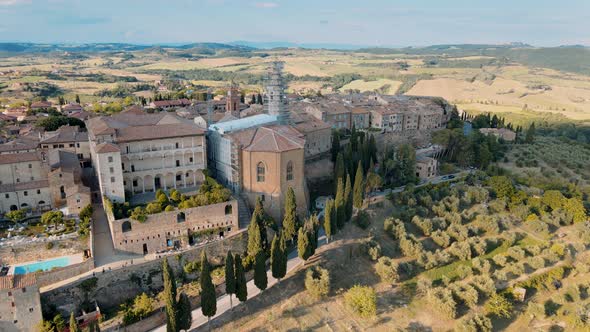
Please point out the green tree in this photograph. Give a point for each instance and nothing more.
(304, 245)
(230, 277)
(77, 99)
(329, 219)
(208, 298)
(502, 186)
(73, 324)
(59, 322)
(362, 300)
(184, 312)
(170, 297)
(358, 189)
(241, 289)
(499, 306)
(52, 217)
(340, 208)
(530, 134)
(335, 145)
(290, 218)
(254, 237)
(339, 169)
(260, 277)
(15, 215)
(348, 198)
(142, 306)
(278, 258)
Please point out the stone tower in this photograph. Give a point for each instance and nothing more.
(209, 108)
(275, 101)
(232, 102)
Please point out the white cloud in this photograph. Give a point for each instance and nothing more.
(262, 4)
(14, 2)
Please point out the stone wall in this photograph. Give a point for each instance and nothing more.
(60, 274)
(174, 229)
(114, 287)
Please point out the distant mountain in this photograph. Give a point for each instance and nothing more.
(111, 47)
(279, 44)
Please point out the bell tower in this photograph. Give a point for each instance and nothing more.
(232, 102)
(275, 100)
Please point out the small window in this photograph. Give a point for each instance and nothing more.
(77, 145)
(177, 145)
(26, 193)
(228, 209)
(112, 179)
(177, 163)
(30, 165)
(38, 191)
(31, 309)
(24, 290)
(112, 170)
(181, 217)
(178, 177)
(190, 160)
(72, 145)
(290, 171)
(135, 183)
(110, 159)
(7, 195)
(260, 172)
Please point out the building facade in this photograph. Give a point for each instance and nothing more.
(137, 153)
(426, 167)
(20, 303)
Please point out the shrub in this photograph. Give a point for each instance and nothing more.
(442, 300)
(387, 269)
(484, 284)
(441, 238)
(169, 208)
(372, 248)
(475, 323)
(49, 245)
(465, 293)
(362, 220)
(153, 208)
(86, 212)
(362, 300)
(317, 282)
(139, 214)
(499, 306)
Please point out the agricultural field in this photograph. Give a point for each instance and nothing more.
(522, 88)
(483, 253)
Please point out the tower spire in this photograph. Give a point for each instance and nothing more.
(275, 101)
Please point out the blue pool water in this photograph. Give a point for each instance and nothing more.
(42, 266)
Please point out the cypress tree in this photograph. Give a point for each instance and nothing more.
(208, 299)
(358, 189)
(278, 263)
(329, 219)
(290, 217)
(303, 244)
(348, 198)
(184, 312)
(254, 237)
(169, 297)
(260, 278)
(73, 324)
(339, 170)
(335, 145)
(340, 215)
(259, 217)
(372, 148)
(241, 290)
(230, 277)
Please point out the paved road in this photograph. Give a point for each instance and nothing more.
(104, 251)
(223, 304)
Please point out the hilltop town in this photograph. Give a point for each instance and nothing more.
(374, 211)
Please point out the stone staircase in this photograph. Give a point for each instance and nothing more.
(244, 212)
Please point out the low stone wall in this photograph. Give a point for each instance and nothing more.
(59, 274)
(116, 286)
(70, 271)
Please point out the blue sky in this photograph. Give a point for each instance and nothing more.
(369, 22)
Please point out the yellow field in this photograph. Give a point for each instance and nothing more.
(372, 85)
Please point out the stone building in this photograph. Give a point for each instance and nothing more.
(68, 138)
(20, 303)
(272, 160)
(134, 153)
(65, 181)
(361, 118)
(174, 229)
(23, 182)
(334, 113)
(387, 119)
(426, 167)
(165, 105)
(318, 136)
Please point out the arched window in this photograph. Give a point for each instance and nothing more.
(228, 209)
(41, 202)
(126, 226)
(260, 171)
(181, 217)
(289, 171)
(24, 205)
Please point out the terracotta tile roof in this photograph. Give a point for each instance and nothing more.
(107, 148)
(11, 158)
(4, 117)
(269, 139)
(17, 281)
(311, 126)
(135, 109)
(41, 104)
(65, 134)
(19, 145)
(129, 126)
(359, 110)
(72, 107)
(173, 103)
(7, 188)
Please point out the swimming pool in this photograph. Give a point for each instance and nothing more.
(42, 266)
